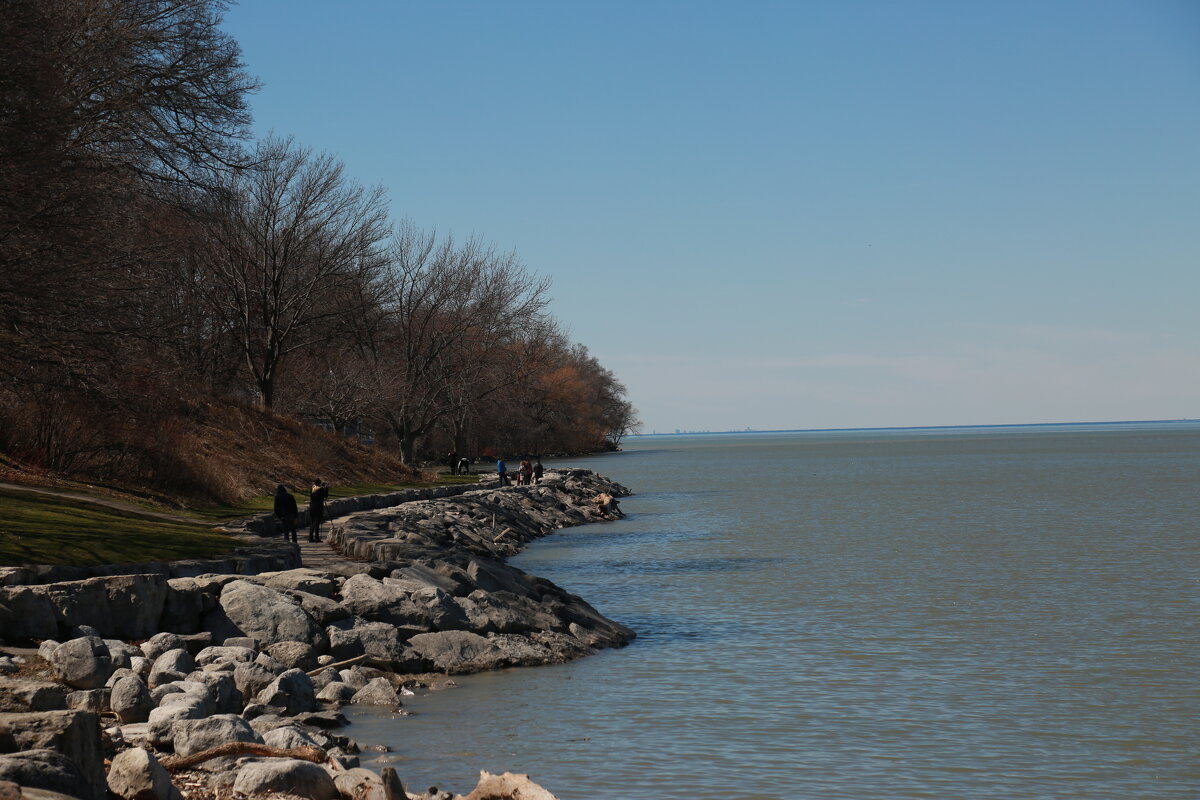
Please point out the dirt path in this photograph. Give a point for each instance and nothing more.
(117, 505)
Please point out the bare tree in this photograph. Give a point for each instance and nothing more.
(451, 312)
(293, 246)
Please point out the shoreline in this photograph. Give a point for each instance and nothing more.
(268, 659)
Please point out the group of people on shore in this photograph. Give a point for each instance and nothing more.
(529, 473)
(288, 512)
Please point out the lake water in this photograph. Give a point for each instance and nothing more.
(956, 613)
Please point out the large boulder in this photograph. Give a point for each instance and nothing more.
(192, 736)
(456, 652)
(160, 730)
(251, 678)
(171, 666)
(161, 643)
(227, 698)
(309, 581)
(119, 606)
(75, 734)
(286, 776)
(268, 616)
(289, 736)
(50, 771)
(135, 774)
(26, 613)
(397, 603)
(382, 643)
(82, 663)
(25, 695)
(294, 655)
(183, 606)
(217, 654)
(292, 692)
(130, 700)
(377, 692)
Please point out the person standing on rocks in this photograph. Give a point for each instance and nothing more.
(526, 473)
(502, 471)
(316, 509)
(452, 460)
(285, 509)
(538, 470)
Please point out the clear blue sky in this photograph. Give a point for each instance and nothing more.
(796, 214)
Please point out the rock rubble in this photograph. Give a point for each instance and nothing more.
(256, 665)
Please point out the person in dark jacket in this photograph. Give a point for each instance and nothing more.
(285, 509)
(316, 509)
(538, 471)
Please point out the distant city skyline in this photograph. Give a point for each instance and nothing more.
(794, 215)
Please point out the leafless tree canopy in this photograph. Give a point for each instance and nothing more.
(152, 258)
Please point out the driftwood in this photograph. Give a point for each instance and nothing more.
(313, 754)
(348, 662)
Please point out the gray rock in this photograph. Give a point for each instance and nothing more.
(135, 774)
(288, 776)
(354, 678)
(94, 700)
(161, 643)
(294, 655)
(456, 652)
(252, 678)
(82, 663)
(75, 734)
(324, 678)
(308, 581)
(188, 691)
(324, 661)
(227, 698)
(160, 729)
(377, 692)
(241, 641)
(26, 695)
(80, 631)
(131, 700)
(292, 692)
(264, 614)
(194, 735)
(214, 655)
(271, 663)
(173, 665)
(454, 583)
(380, 641)
(322, 609)
(117, 675)
(120, 606)
(47, 648)
(337, 693)
(49, 771)
(289, 736)
(182, 607)
(122, 654)
(141, 666)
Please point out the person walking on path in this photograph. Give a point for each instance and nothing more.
(316, 509)
(285, 509)
(538, 470)
(502, 471)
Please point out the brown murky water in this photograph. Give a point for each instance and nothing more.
(991, 613)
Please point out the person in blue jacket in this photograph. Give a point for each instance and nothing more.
(502, 471)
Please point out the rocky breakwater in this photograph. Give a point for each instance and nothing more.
(243, 695)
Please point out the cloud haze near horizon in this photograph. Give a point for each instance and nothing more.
(778, 215)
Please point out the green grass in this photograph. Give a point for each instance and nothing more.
(260, 505)
(42, 529)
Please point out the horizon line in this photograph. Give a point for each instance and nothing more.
(913, 427)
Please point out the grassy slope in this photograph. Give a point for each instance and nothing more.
(41, 529)
(37, 528)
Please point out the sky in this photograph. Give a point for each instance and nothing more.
(782, 215)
